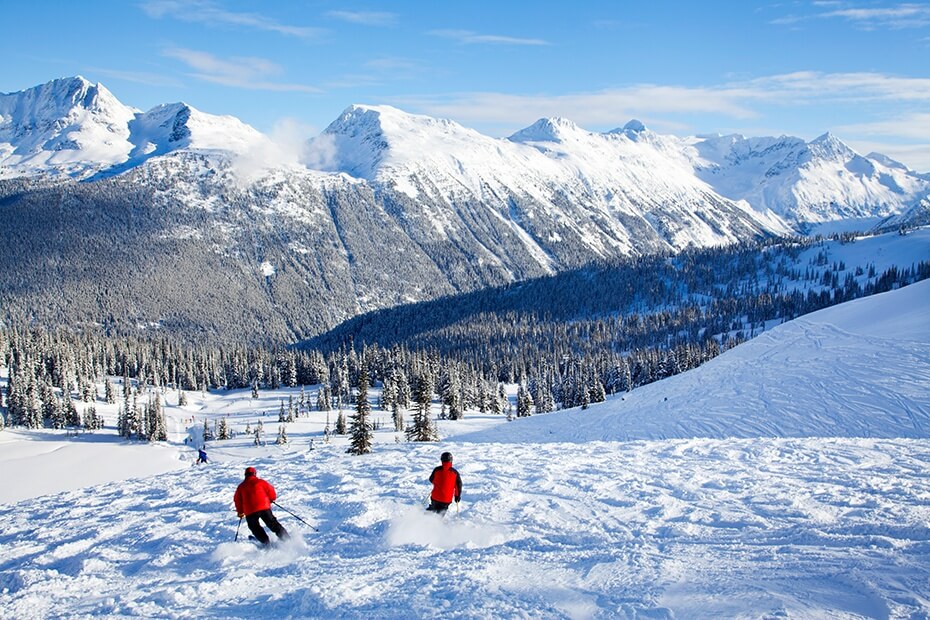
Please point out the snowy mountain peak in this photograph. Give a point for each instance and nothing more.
(555, 129)
(829, 146)
(74, 127)
(173, 126)
(634, 126)
(366, 136)
(65, 126)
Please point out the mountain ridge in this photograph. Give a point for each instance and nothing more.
(383, 207)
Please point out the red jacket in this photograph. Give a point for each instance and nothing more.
(447, 484)
(254, 494)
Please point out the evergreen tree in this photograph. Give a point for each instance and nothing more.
(92, 420)
(421, 429)
(361, 435)
(259, 439)
(109, 394)
(207, 433)
(524, 402)
(122, 423)
(323, 399)
(71, 414)
(156, 425)
(282, 435)
(341, 423)
(502, 398)
(223, 429)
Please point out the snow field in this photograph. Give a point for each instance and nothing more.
(680, 528)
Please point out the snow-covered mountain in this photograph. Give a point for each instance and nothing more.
(807, 182)
(459, 210)
(552, 184)
(67, 125)
(73, 127)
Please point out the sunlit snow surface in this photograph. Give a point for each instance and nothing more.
(580, 514)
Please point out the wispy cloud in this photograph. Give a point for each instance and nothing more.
(239, 72)
(366, 18)
(901, 16)
(601, 108)
(206, 12)
(468, 37)
(862, 86)
(914, 126)
(137, 77)
(737, 100)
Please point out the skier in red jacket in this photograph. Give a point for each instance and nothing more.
(447, 485)
(253, 501)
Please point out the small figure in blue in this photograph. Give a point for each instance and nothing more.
(202, 455)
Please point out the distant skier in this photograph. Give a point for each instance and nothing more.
(202, 455)
(447, 485)
(253, 501)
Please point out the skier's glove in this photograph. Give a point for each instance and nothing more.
(458, 499)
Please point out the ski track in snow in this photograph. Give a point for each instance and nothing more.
(678, 528)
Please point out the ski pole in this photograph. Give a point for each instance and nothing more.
(236, 539)
(295, 516)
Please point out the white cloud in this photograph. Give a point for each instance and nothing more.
(846, 86)
(138, 77)
(896, 17)
(286, 145)
(205, 12)
(239, 72)
(469, 37)
(366, 18)
(901, 16)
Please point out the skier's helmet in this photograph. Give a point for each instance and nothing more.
(250, 471)
(446, 457)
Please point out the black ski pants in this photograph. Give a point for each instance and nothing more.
(258, 531)
(439, 507)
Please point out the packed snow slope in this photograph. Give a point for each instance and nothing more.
(765, 519)
(860, 369)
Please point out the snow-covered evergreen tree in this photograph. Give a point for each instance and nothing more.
(109, 394)
(341, 423)
(323, 399)
(222, 431)
(361, 433)
(92, 420)
(421, 429)
(71, 414)
(282, 435)
(156, 425)
(524, 402)
(207, 433)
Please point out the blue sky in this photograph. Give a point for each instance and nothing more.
(860, 69)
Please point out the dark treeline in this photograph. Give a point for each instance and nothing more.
(568, 340)
(685, 307)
